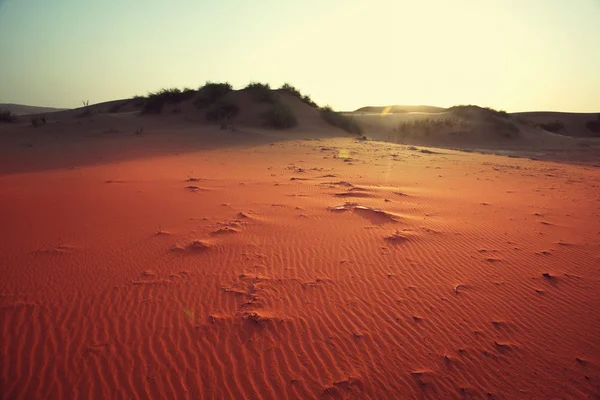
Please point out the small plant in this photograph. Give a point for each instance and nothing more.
(339, 120)
(37, 121)
(261, 92)
(211, 92)
(7, 116)
(295, 92)
(555, 126)
(222, 110)
(280, 116)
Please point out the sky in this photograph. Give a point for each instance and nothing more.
(515, 55)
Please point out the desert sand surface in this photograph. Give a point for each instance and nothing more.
(163, 257)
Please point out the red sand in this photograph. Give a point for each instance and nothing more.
(454, 275)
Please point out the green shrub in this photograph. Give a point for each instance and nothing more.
(280, 116)
(222, 110)
(211, 92)
(339, 120)
(155, 101)
(138, 101)
(7, 116)
(187, 94)
(261, 92)
(295, 92)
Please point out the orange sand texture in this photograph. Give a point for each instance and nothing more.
(191, 262)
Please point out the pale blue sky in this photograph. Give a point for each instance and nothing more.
(515, 54)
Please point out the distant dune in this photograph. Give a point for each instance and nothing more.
(21, 109)
(398, 109)
(569, 124)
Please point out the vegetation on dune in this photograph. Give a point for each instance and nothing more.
(155, 101)
(37, 121)
(222, 110)
(553, 126)
(7, 116)
(138, 101)
(462, 109)
(455, 126)
(280, 116)
(115, 108)
(211, 92)
(295, 92)
(261, 92)
(594, 126)
(342, 121)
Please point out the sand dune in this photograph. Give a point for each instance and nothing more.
(398, 109)
(476, 128)
(186, 261)
(569, 124)
(21, 109)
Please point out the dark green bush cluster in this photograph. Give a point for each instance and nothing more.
(339, 120)
(261, 92)
(280, 116)
(295, 92)
(7, 116)
(155, 101)
(138, 101)
(222, 110)
(211, 92)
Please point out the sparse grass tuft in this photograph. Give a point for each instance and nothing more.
(7, 116)
(211, 92)
(222, 110)
(280, 116)
(261, 92)
(339, 120)
(295, 92)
